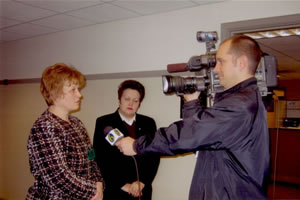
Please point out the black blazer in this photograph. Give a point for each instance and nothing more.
(117, 169)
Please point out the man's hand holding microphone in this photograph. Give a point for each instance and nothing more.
(116, 138)
(125, 145)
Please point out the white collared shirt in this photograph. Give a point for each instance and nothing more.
(129, 122)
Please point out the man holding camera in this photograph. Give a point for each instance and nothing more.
(231, 137)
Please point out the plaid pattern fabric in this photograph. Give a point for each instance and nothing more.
(58, 157)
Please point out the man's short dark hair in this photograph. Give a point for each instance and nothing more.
(244, 45)
(134, 85)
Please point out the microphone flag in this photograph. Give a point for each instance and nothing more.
(113, 136)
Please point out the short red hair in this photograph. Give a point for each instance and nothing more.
(54, 77)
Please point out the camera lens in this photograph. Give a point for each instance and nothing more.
(165, 84)
(181, 85)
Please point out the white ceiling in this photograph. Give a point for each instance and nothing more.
(20, 19)
(287, 53)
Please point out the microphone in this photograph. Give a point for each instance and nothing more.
(179, 67)
(112, 135)
(195, 64)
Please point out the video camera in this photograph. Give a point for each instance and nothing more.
(205, 79)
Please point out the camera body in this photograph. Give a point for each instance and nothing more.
(205, 79)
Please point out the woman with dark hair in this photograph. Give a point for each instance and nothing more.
(126, 178)
(60, 153)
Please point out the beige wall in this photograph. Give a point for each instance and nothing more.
(21, 106)
(140, 44)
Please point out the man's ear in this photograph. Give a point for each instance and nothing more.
(242, 62)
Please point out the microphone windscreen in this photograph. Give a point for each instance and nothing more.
(107, 130)
(179, 67)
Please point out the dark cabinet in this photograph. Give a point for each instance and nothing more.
(285, 155)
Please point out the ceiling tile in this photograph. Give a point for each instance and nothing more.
(103, 13)
(145, 7)
(18, 11)
(202, 2)
(62, 22)
(7, 22)
(61, 5)
(7, 36)
(108, 0)
(287, 66)
(285, 45)
(30, 29)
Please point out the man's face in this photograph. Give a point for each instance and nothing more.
(129, 103)
(226, 66)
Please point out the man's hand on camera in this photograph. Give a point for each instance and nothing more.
(125, 145)
(191, 97)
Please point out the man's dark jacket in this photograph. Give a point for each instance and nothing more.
(117, 169)
(232, 141)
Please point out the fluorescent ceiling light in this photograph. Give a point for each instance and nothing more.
(296, 31)
(273, 33)
(284, 33)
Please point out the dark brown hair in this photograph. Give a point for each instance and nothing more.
(134, 85)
